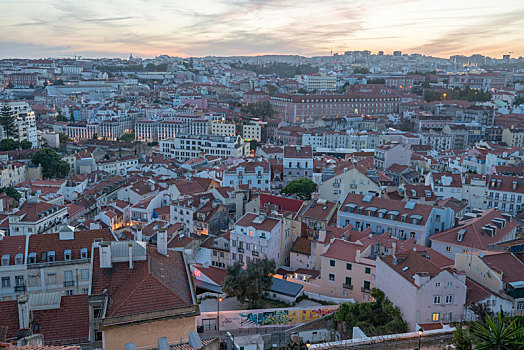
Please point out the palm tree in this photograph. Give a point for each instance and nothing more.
(498, 334)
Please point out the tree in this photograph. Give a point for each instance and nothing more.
(51, 162)
(462, 339)
(11, 192)
(130, 137)
(253, 145)
(303, 188)
(7, 121)
(481, 310)
(9, 145)
(498, 334)
(61, 118)
(379, 317)
(361, 70)
(62, 138)
(26, 144)
(260, 109)
(249, 284)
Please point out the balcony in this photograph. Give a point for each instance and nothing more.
(69, 283)
(347, 286)
(365, 290)
(254, 253)
(240, 250)
(20, 288)
(336, 184)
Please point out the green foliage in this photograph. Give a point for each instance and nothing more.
(61, 118)
(284, 70)
(150, 67)
(361, 70)
(9, 145)
(253, 145)
(462, 339)
(519, 100)
(25, 144)
(260, 109)
(11, 192)
(303, 188)
(249, 284)
(466, 94)
(380, 317)
(52, 164)
(376, 81)
(130, 137)
(498, 334)
(302, 91)
(271, 88)
(406, 125)
(63, 138)
(7, 121)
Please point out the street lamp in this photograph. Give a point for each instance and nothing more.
(420, 330)
(308, 344)
(219, 299)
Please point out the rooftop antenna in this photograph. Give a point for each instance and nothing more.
(331, 52)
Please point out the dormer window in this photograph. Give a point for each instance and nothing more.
(51, 256)
(67, 255)
(32, 258)
(83, 253)
(5, 260)
(19, 259)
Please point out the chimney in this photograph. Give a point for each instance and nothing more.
(23, 311)
(393, 248)
(139, 234)
(422, 278)
(357, 256)
(321, 235)
(163, 344)
(161, 242)
(130, 248)
(105, 256)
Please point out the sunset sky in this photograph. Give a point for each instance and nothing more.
(147, 28)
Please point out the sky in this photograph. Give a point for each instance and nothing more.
(147, 28)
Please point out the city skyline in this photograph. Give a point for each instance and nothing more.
(255, 27)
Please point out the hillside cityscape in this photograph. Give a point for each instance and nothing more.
(358, 199)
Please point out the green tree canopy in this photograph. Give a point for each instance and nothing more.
(51, 162)
(25, 144)
(250, 283)
(11, 192)
(9, 145)
(130, 137)
(380, 317)
(260, 109)
(462, 339)
(7, 121)
(361, 70)
(303, 188)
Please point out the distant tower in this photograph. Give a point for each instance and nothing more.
(131, 57)
(331, 52)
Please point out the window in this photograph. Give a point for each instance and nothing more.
(436, 299)
(448, 316)
(348, 266)
(367, 270)
(51, 278)
(450, 284)
(437, 284)
(83, 253)
(215, 253)
(520, 304)
(331, 262)
(6, 282)
(68, 276)
(367, 285)
(448, 248)
(69, 292)
(84, 274)
(32, 258)
(449, 299)
(331, 277)
(51, 256)
(435, 317)
(233, 256)
(348, 281)
(67, 254)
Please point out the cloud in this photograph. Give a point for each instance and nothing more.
(110, 19)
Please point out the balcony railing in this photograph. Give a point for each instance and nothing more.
(20, 288)
(69, 283)
(240, 250)
(347, 286)
(254, 253)
(365, 290)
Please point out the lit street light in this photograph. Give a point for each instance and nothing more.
(420, 330)
(219, 299)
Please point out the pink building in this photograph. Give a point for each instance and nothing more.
(422, 290)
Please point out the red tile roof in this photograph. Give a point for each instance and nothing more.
(343, 250)
(512, 268)
(283, 204)
(266, 225)
(410, 263)
(475, 292)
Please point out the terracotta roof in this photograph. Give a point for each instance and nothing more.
(158, 283)
(266, 225)
(343, 250)
(319, 211)
(12, 245)
(475, 292)
(282, 203)
(30, 211)
(9, 319)
(512, 268)
(410, 263)
(303, 152)
(471, 234)
(302, 246)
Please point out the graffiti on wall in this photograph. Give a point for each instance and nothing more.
(283, 316)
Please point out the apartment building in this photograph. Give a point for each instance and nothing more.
(32, 218)
(223, 129)
(352, 180)
(117, 166)
(255, 237)
(184, 147)
(319, 82)
(12, 174)
(392, 153)
(505, 193)
(302, 108)
(254, 131)
(423, 291)
(79, 131)
(445, 185)
(298, 162)
(13, 267)
(513, 137)
(254, 174)
(402, 220)
(482, 81)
